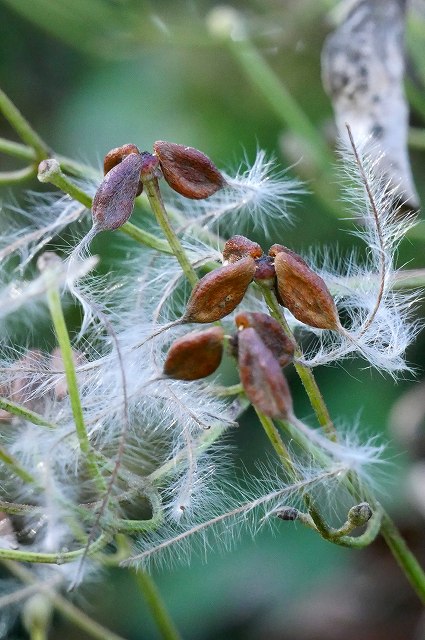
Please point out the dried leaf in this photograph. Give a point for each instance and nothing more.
(195, 355)
(219, 292)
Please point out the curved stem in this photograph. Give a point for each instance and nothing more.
(52, 558)
(17, 149)
(17, 176)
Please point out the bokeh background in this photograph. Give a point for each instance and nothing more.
(94, 74)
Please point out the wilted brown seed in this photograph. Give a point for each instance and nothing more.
(261, 376)
(114, 200)
(238, 247)
(304, 292)
(270, 332)
(117, 155)
(195, 355)
(188, 171)
(265, 273)
(219, 292)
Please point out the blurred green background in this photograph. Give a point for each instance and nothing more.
(94, 74)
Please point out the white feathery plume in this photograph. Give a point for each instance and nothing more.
(19, 293)
(258, 194)
(380, 326)
(26, 232)
(221, 521)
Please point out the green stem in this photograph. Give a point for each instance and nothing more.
(18, 176)
(305, 373)
(52, 558)
(276, 441)
(23, 127)
(404, 557)
(314, 521)
(56, 312)
(50, 172)
(146, 238)
(231, 390)
(15, 466)
(67, 609)
(157, 607)
(138, 526)
(17, 149)
(152, 190)
(26, 414)
(416, 138)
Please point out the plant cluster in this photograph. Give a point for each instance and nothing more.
(114, 443)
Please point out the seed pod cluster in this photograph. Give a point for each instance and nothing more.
(187, 170)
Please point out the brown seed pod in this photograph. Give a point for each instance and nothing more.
(219, 292)
(303, 292)
(188, 171)
(261, 376)
(114, 200)
(238, 247)
(270, 332)
(117, 155)
(195, 355)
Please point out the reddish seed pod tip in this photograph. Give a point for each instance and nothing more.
(238, 247)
